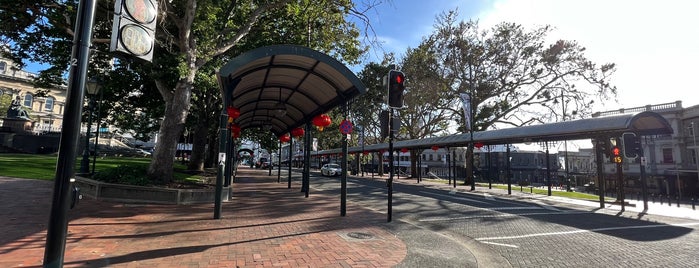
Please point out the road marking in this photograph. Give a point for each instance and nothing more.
(488, 196)
(502, 215)
(586, 231)
(458, 198)
(500, 244)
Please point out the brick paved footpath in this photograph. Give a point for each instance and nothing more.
(265, 225)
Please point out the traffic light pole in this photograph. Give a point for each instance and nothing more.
(644, 185)
(390, 165)
(57, 228)
(600, 170)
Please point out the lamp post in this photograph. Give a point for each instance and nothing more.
(93, 87)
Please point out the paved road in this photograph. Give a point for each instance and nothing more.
(268, 225)
(538, 231)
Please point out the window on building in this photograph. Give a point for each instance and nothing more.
(667, 156)
(424, 157)
(694, 156)
(439, 157)
(431, 157)
(48, 106)
(3, 67)
(28, 100)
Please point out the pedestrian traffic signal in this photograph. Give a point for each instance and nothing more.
(396, 86)
(616, 154)
(632, 145)
(133, 29)
(603, 146)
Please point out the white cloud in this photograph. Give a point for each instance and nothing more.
(654, 43)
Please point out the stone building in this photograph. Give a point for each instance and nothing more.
(45, 112)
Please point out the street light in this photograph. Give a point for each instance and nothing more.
(93, 87)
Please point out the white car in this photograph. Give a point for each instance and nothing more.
(331, 170)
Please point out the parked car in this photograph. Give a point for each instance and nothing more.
(331, 170)
(262, 163)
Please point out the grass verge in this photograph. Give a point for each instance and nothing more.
(43, 167)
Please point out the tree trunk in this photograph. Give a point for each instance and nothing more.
(212, 152)
(176, 109)
(414, 154)
(200, 134)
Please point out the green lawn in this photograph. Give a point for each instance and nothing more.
(544, 191)
(541, 191)
(43, 167)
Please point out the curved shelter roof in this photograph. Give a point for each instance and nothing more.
(306, 81)
(645, 123)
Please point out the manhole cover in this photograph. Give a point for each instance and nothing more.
(358, 235)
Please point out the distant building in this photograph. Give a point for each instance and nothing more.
(46, 112)
(671, 160)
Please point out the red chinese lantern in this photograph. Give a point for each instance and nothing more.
(297, 132)
(235, 130)
(404, 150)
(478, 145)
(366, 152)
(285, 138)
(233, 112)
(321, 121)
(435, 148)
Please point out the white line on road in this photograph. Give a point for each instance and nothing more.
(502, 215)
(488, 196)
(459, 198)
(586, 231)
(500, 244)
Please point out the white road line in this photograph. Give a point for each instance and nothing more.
(500, 244)
(488, 196)
(459, 198)
(502, 215)
(586, 231)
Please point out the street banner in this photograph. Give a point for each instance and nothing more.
(466, 104)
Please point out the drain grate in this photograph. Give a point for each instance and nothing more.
(359, 235)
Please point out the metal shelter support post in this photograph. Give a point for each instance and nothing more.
(448, 160)
(453, 165)
(490, 177)
(509, 172)
(58, 221)
(389, 184)
(291, 155)
(279, 163)
(343, 176)
(307, 160)
(548, 169)
(229, 155)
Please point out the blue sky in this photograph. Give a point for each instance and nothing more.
(655, 44)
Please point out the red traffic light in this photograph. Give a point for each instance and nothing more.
(616, 151)
(399, 78)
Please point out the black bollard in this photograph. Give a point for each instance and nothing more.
(652, 198)
(661, 199)
(669, 201)
(678, 201)
(693, 201)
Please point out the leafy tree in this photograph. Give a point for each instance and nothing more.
(190, 34)
(425, 97)
(513, 76)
